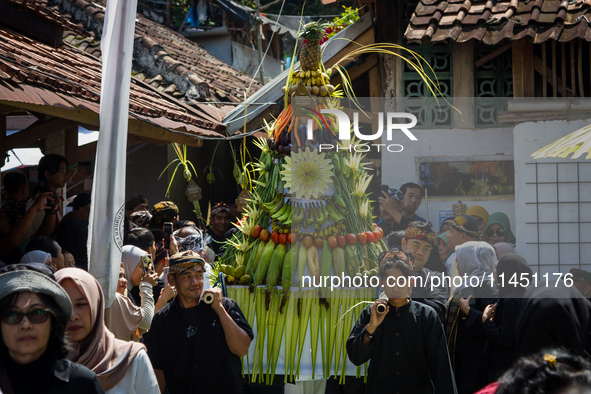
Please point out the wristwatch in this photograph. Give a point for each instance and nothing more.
(370, 336)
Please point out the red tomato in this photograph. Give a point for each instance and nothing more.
(275, 237)
(341, 241)
(362, 238)
(283, 238)
(381, 232)
(332, 242)
(307, 242)
(318, 242)
(370, 237)
(292, 238)
(265, 234)
(351, 238)
(256, 231)
(376, 235)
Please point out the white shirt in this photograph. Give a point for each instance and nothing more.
(139, 378)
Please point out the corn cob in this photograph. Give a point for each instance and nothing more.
(313, 261)
(275, 265)
(264, 263)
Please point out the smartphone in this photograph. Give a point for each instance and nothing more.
(385, 189)
(165, 272)
(167, 234)
(146, 264)
(425, 175)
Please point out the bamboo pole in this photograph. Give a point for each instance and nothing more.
(554, 87)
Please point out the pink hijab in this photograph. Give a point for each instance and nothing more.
(101, 352)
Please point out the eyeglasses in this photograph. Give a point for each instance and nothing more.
(490, 232)
(35, 316)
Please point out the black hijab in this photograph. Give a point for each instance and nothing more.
(512, 264)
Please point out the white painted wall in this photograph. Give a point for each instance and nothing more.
(528, 138)
(448, 145)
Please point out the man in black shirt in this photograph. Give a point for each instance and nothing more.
(396, 213)
(196, 347)
(220, 227)
(431, 290)
(406, 343)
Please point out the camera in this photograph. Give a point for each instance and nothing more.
(52, 203)
(393, 193)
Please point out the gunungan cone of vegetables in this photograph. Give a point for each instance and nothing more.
(310, 54)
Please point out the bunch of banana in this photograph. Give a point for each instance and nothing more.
(235, 274)
(298, 214)
(317, 82)
(283, 215)
(281, 228)
(333, 229)
(274, 206)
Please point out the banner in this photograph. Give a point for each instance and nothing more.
(105, 237)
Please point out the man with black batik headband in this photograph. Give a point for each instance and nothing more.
(431, 290)
(188, 328)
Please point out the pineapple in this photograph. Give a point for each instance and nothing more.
(310, 55)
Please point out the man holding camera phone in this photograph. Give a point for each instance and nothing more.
(398, 207)
(187, 328)
(52, 174)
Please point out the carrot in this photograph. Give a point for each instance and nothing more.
(295, 131)
(281, 121)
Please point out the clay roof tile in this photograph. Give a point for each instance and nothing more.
(493, 21)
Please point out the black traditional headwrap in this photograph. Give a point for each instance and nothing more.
(179, 262)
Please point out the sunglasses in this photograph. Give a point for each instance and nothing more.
(490, 232)
(35, 316)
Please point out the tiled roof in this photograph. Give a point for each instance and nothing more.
(164, 58)
(493, 21)
(49, 15)
(65, 82)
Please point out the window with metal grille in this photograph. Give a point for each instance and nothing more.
(558, 215)
(429, 112)
(493, 78)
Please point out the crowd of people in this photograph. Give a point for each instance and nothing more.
(426, 333)
(468, 334)
(55, 326)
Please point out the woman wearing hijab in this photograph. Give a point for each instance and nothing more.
(48, 245)
(34, 312)
(502, 248)
(126, 320)
(121, 367)
(498, 229)
(131, 257)
(39, 256)
(480, 215)
(499, 321)
(442, 243)
(476, 261)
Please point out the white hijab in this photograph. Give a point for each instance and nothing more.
(475, 259)
(130, 257)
